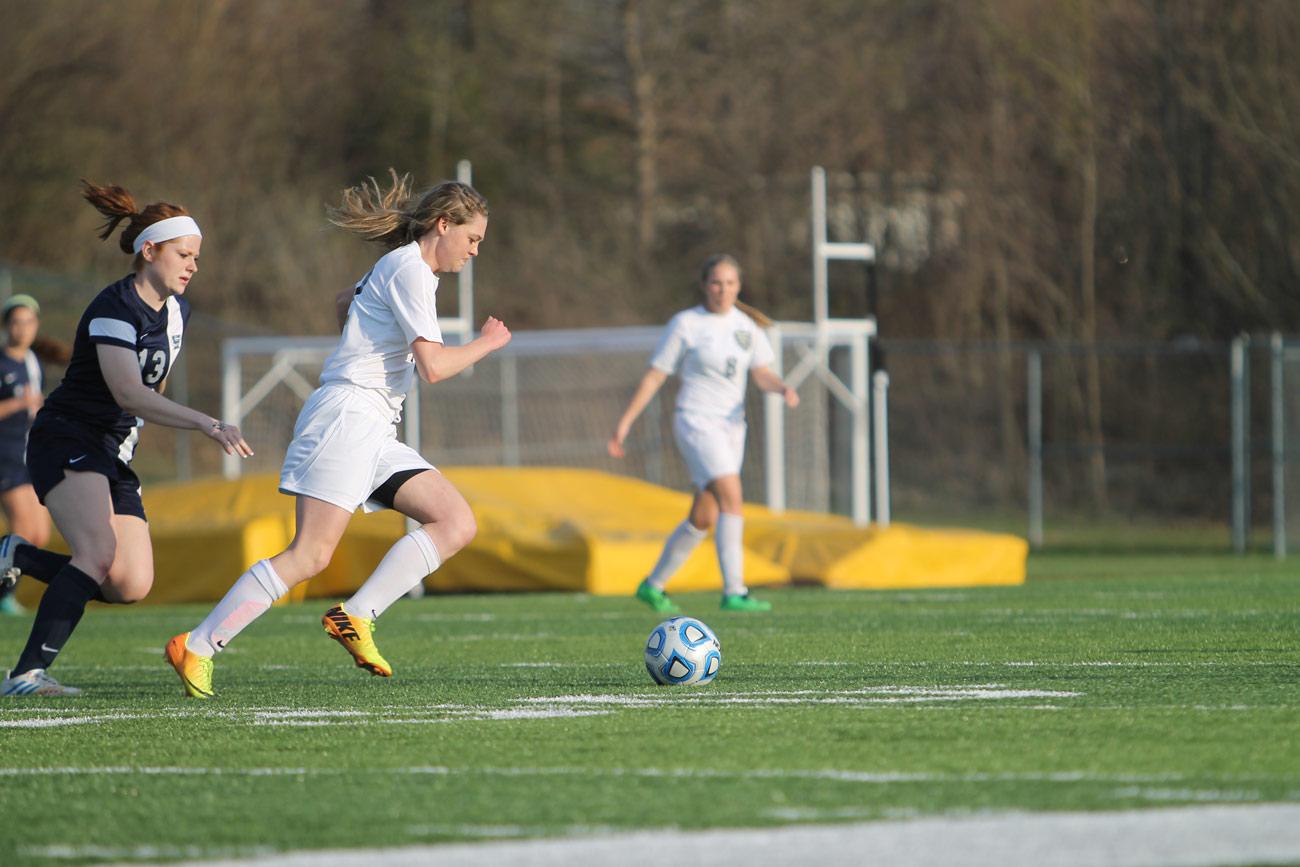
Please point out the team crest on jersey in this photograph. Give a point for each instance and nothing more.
(744, 338)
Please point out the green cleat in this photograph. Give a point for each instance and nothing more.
(195, 671)
(656, 598)
(356, 634)
(9, 606)
(743, 602)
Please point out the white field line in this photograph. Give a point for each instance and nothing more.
(500, 831)
(550, 707)
(836, 775)
(1200, 836)
(136, 854)
(971, 663)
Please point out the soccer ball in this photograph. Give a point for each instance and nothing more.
(683, 650)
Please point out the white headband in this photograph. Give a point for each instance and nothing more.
(166, 230)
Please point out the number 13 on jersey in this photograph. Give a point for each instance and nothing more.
(156, 357)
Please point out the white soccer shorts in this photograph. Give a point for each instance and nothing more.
(711, 447)
(344, 447)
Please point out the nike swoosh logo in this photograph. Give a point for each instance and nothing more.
(74, 460)
(49, 649)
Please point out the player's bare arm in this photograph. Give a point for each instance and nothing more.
(767, 380)
(650, 383)
(122, 375)
(342, 304)
(436, 361)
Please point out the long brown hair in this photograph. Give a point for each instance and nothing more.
(760, 318)
(51, 350)
(116, 204)
(397, 217)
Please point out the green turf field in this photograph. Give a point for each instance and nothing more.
(1106, 682)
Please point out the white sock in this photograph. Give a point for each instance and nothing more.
(730, 540)
(254, 592)
(406, 564)
(679, 546)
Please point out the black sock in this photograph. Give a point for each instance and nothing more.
(60, 609)
(44, 565)
(40, 564)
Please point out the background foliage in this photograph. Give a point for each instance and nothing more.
(1085, 169)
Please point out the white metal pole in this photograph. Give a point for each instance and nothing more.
(1034, 430)
(231, 378)
(821, 306)
(774, 431)
(860, 447)
(1240, 458)
(1279, 449)
(880, 411)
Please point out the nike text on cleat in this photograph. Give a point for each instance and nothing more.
(356, 636)
(195, 671)
(35, 682)
(9, 573)
(743, 602)
(656, 598)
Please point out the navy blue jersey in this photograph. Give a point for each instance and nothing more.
(16, 379)
(117, 317)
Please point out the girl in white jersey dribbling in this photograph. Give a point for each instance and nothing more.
(345, 452)
(711, 347)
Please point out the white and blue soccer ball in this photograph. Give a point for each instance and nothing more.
(683, 650)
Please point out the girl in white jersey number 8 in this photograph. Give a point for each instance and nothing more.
(711, 347)
(345, 452)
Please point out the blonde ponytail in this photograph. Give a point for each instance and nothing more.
(394, 218)
(761, 319)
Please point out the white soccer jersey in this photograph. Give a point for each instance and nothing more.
(712, 353)
(394, 306)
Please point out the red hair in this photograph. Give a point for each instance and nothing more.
(116, 204)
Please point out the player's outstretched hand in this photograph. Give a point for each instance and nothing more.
(615, 444)
(494, 331)
(229, 438)
(791, 397)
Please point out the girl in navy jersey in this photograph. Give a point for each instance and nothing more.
(81, 444)
(20, 398)
(345, 452)
(714, 347)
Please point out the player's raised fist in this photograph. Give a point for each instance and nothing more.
(495, 332)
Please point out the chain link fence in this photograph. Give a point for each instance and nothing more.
(1136, 438)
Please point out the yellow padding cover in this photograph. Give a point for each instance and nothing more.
(553, 529)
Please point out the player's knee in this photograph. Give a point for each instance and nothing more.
(313, 560)
(127, 589)
(463, 529)
(703, 522)
(127, 596)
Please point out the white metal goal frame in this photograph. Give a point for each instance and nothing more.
(864, 395)
(802, 350)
